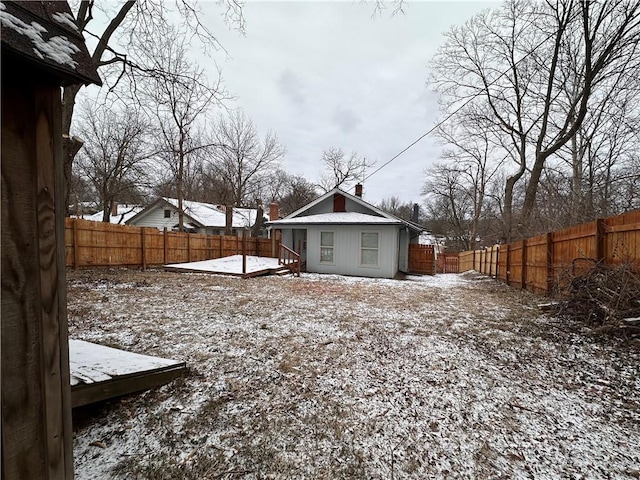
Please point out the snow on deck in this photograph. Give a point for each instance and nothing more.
(229, 265)
(91, 364)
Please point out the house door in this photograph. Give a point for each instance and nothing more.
(300, 243)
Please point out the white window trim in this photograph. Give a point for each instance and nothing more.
(320, 261)
(367, 265)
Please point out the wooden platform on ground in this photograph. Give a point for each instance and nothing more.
(99, 373)
(255, 266)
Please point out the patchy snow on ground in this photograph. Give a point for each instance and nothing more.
(323, 376)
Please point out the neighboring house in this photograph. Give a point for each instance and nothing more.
(342, 234)
(198, 217)
(120, 214)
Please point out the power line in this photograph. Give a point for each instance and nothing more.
(441, 122)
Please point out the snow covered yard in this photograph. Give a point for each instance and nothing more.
(332, 377)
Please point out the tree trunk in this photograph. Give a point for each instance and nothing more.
(179, 183)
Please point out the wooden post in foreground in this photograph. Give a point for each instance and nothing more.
(244, 251)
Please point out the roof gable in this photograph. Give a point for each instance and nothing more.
(328, 209)
(327, 200)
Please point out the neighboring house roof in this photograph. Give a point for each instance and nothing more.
(337, 218)
(45, 34)
(125, 212)
(375, 216)
(203, 215)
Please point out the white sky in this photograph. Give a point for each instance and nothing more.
(328, 74)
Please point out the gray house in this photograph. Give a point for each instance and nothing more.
(342, 234)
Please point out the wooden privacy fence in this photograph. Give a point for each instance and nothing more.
(98, 244)
(543, 263)
(422, 259)
(447, 263)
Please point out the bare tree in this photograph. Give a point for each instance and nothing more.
(179, 96)
(240, 160)
(395, 206)
(128, 24)
(115, 155)
(340, 169)
(533, 68)
(291, 192)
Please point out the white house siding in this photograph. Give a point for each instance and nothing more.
(155, 218)
(347, 250)
(403, 251)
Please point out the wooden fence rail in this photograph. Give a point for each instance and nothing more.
(98, 244)
(543, 263)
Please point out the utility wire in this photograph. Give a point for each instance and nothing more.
(446, 119)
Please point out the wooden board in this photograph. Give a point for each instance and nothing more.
(99, 373)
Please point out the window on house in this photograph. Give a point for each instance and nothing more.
(326, 247)
(167, 214)
(369, 249)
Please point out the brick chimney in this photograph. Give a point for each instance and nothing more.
(416, 213)
(274, 211)
(359, 190)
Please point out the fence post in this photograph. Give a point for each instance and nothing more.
(76, 249)
(523, 279)
(244, 251)
(188, 246)
(221, 246)
(165, 247)
(549, 263)
(507, 273)
(601, 231)
(144, 250)
(490, 261)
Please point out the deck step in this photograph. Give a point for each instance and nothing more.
(282, 271)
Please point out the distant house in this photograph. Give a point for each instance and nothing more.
(342, 234)
(199, 217)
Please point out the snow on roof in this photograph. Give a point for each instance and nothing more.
(125, 212)
(209, 215)
(379, 216)
(337, 218)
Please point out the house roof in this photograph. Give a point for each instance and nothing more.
(125, 212)
(376, 216)
(203, 215)
(44, 35)
(337, 218)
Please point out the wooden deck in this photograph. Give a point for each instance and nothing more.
(99, 373)
(233, 265)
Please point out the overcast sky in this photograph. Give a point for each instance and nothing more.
(333, 74)
(327, 74)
